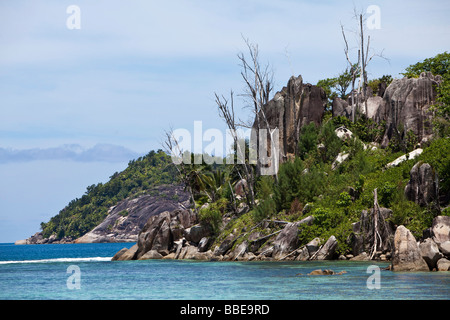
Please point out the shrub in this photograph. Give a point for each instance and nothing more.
(212, 215)
(307, 140)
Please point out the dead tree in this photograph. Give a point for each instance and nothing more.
(379, 229)
(172, 147)
(226, 112)
(364, 58)
(259, 85)
(354, 71)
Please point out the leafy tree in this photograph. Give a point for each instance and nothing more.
(308, 140)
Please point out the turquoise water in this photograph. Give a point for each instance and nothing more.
(40, 272)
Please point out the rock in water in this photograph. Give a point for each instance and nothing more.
(407, 256)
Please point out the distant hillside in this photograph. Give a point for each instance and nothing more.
(83, 214)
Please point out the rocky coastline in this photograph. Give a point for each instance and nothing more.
(178, 235)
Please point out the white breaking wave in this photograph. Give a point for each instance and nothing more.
(59, 260)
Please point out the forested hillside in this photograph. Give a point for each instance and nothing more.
(83, 214)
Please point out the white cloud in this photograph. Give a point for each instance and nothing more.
(74, 152)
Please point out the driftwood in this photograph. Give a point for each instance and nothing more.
(290, 254)
(315, 253)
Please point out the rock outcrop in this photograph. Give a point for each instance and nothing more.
(160, 235)
(423, 186)
(128, 217)
(38, 238)
(406, 104)
(407, 255)
(296, 105)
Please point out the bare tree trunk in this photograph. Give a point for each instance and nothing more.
(259, 86)
(375, 217)
(363, 64)
(172, 147)
(227, 113)
(353, 70)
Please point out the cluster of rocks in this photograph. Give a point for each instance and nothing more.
(431, 254)
(38, 238)
(171, 235)
(404, 106)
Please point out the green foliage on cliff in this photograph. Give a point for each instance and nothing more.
(83, 214)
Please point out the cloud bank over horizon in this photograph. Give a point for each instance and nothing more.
(74, 152)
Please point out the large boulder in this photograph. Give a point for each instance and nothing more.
(296, 105)
(160, 234)
(126, 254)
(197, 232)
(441, 229)
(407, 255)
(287, 240)
(443, 265)
(423, 187)
(430, 253)
(328, 250)
(362, 236)
(155, 234)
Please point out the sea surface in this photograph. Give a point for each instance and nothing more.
(84, 271)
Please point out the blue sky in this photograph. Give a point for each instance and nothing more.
(77, 105)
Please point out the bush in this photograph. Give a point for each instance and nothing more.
(438, 156)
(307, 140)
(332, 143)
(297, 182)
(212, 215)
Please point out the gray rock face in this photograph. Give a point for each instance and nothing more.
(128, 217)
(294, 106)
(196, 233)
(406, 104)
(422, 187)
(441, 229)
(443, 265)
(328, 250)
(430, 253)
(286, 241)
(407, 255)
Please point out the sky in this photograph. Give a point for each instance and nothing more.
(83, 94)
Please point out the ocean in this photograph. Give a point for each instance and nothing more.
(85, 272)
